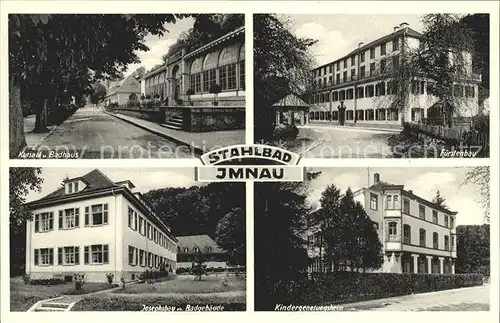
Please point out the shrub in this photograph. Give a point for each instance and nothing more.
(286, 132)
(79, 280)
(153, 274)
(27, 278)
(132, 97)
(110, 277)
(352, 286)
(47, 281)
(122, 280)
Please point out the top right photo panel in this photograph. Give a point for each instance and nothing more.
(373, 86)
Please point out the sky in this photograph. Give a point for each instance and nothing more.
(144, 179)
(423, 181)
(338, 35)
(158, 46)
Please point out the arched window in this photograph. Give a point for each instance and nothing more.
(209, 71)
(195, 75)
(178, 249)
(407, 233)
(435, 240)
(227, 67)
(186, 249)
(208, 248)
(422, 237)
(446, 243)
(393, 231)
(196, 249)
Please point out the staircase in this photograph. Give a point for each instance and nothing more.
(174, 123)
(58, 304)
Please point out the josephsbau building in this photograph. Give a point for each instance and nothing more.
(94, 226)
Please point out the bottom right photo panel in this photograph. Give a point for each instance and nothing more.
(381, 239)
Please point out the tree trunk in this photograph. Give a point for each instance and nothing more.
(17, 140)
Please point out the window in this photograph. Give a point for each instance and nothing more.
(393, 231)
(242, 74)
(68, 256)
(96, 254)
(406, 206)
(435, 216)
(360, 92)
(452, 242)
(130, 218)
(470, 92)
(383, 49)
(353, 74)
(395, 62)
(372, 69)
(149, 231)
(208, 248)
(150, 259)
(338, 66)
(362, 57)
(373, 201)
(141, 226)
(44, 257)
(369, 91)
(337, 78)
(446, 243)
(132, 256)
(435, 240)
(75, 184)
(142, 258)
(382, 66)
(372, 52)
(69, 218)
(452, 222)
(407, 234)
(421, 212)
(353, 60)
(362, 71)
(335, 96)
(44, 222)
(155, 235)
(98, 215)
(344, 76)
(446, 220)
(186, 249)
(350, 95)
(395, 44)
(345, 63)
(422, 237)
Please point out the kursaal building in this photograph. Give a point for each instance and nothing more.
(417, 235)
(94, 226)
(185, 85)
(357, 88)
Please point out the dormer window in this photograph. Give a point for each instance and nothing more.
(73, 187)
(196, 249)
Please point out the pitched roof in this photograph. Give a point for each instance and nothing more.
(200, 241)
(291, 100)
(95, 180)
(127, 85)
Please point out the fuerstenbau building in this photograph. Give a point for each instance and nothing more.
(94, 226)
(356, 88)
(417, 235)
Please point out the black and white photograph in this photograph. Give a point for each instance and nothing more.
(373, 86)
(378, 239)
(125, 85)
(125, 239)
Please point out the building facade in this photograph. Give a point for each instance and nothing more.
(417, 235)
(357, 88)
(94, 226)
(221, 62)
(189, 246)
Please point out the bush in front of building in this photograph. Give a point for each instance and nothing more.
(110, 277)
(344, 287)
(79, 280)
(285, 132)
(46, 281)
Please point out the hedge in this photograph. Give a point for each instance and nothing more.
(344, 287)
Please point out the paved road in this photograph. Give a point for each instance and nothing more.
(343, 142)
(95, 134)
(464, 299)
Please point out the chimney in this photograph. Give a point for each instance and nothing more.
(403, 25)
(410, 191)
(376, 178)
(360, 44)
(396, 28)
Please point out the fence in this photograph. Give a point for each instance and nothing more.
(455, 136)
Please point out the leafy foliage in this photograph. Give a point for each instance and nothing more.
(480, 176)
(473, 249)
(98, 94)
(282, 65)
(231, 236)
(440, 200)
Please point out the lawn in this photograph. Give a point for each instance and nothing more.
(23, 296)
(186, 284)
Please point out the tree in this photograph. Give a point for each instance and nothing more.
(139, 72)
(282, 65)
(231, 236)
(99, 92)
(197, 267)
(57, 56)
(473, 249)
(480, 176)
(440, 200)
(281, 215)
(441, 59)
(21, 182)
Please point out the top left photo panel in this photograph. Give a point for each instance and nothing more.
(133, 86)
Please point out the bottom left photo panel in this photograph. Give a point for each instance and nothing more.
(125, 239)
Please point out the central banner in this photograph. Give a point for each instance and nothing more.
(250, 163)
